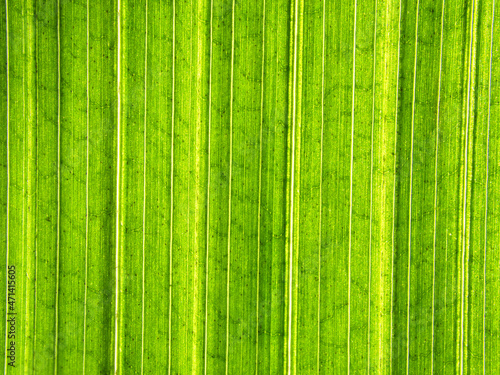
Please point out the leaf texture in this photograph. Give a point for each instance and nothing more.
(267, 187)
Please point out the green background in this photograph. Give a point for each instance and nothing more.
(251, 187)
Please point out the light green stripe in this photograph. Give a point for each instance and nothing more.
(383, 177)
(217, 266)
(101, 176)
(157, 233)
(4, 172)
(361, 200)
(47, 241)
(189, 189)
(132, 148)
(492, 346)
(73, 172)
(425, 96)
(272, 267)
(447, 240)
(476, 323)
(244, 198)
(339, 186)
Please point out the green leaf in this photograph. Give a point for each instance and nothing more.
(231, 187)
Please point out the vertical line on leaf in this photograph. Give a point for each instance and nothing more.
(260, 179)
(188, 261)
(374, 81)
(486, 188)
(393, 234)
(7, 237)
(205, 344)
(466, 172)
(86, 196)
(58, 230)
(411, 189)
(172, 136)
(321, 180)
(436, 185)
(350, 191)
(230, 186)
(292, 182)
(118, 161)
(144, 184)
(235, 359)
(24, 161)
(36, 183)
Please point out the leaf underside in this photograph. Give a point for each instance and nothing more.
(238, 187)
